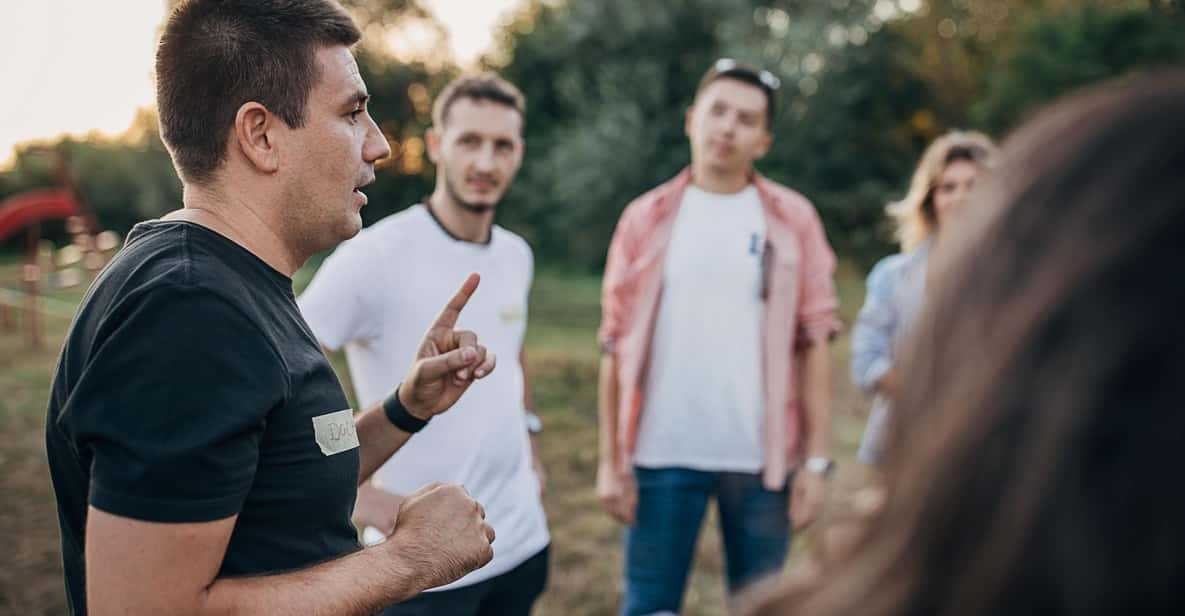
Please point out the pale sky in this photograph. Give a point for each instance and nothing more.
(75, 66)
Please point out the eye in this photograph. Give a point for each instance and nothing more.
(353, 115)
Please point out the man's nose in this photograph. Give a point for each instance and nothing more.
(485, 158)
(376, 147)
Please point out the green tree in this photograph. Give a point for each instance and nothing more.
(130, 179)
(607, 85)
(1057, 53)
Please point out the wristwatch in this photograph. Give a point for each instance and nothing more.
(820, 465)
(534, 424)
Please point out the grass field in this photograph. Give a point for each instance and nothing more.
(562, 355)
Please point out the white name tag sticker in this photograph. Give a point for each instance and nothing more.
(335, 432)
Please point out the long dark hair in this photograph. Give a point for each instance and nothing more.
(1038, 468)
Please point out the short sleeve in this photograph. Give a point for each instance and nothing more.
(171, 406)
(336, 304)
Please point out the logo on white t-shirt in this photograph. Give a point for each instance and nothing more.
(511, 314)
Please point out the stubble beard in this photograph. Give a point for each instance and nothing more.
(455, 195)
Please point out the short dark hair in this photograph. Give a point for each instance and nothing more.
(216, 55)
(745, 73)
(481, 87)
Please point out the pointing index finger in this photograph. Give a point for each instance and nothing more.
(448, 315)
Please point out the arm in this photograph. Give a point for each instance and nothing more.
(529, 406)
(809, 491)
(616, 489)
(141, 518)
(607, 396)
(378, 440)
(815, 378)
(376, 507)
(446, 364)
(887, 384)
(817, 325)
(133, 568)
(872, 335)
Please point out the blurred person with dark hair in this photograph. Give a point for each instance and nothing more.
(372, 297)
(1044, 387)
(896, 286)
(718, 308)
(203, 454)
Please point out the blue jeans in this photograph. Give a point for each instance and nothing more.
(754, 524)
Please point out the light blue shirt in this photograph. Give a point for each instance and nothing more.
(895, 291)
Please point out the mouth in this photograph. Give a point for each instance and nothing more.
(482, 184)
(722, 148)
(358, 194)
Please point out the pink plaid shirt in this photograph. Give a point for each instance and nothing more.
(800, 308)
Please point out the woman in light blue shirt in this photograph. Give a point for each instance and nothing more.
(896, 285)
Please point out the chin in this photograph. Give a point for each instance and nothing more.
(479, 207)
(344, 229)
(352, 228)
(721, 167)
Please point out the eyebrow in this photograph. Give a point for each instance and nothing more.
(359, 98)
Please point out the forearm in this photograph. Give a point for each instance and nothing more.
(886, 385)
(376, 507)
(359, 584)
(378, 440)
(607, 402)
(871, 353)
(815, 365)
(528, 394)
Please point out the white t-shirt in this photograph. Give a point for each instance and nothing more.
(376, 295)
(702, 406)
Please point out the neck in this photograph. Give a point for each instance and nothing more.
(240, 221)
(717, 181)
(460, 222)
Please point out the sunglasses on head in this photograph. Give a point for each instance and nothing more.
(724, 65)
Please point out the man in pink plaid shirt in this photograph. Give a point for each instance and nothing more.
(718, 305)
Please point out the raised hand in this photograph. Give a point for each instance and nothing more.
(447, 362)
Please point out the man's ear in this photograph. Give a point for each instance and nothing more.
(766, 142)
(255, 136)
(432, 140)
(522, 152)
(687, 120)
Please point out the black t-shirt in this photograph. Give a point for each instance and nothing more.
(190, 389)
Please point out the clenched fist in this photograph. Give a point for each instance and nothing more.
(442, 534)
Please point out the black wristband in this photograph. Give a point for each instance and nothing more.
(399, 416)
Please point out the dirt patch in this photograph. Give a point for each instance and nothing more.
(31, 578)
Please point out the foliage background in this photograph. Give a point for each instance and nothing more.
(866, 85)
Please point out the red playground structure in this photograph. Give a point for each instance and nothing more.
(25, 212)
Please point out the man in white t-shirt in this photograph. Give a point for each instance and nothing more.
(718, 305)
(377, 293)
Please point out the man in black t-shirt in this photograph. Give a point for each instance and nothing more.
(202, 451)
